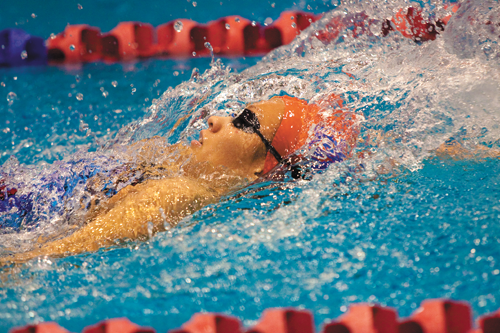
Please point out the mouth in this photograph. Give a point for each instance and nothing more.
(195, 143)
(199, 142)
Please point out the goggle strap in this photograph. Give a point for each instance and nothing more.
(269, 146)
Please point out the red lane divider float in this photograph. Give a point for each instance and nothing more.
(230, 36)
(433, 316)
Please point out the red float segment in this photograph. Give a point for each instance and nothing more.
(489, 323)
(117, 325)
(128, 41)
(443, 316)
(48, 327)
(227, 35)
(365, 318)
(291, 23)
(284, 321)
(174, 38)
(78, 43)
(412, 25)
(210, 323)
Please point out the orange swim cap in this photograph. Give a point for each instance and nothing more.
(300, 117)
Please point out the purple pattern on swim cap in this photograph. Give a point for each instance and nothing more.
(327, 149)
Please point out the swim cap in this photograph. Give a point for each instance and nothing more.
(333, 132)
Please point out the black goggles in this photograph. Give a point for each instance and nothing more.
(248, 122)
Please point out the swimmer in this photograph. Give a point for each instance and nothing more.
(231, 153)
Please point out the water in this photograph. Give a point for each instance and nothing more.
(406, 227)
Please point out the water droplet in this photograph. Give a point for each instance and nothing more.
(79, 96)
(33, 15)
(83, 126)
(77, 78)
(273, 5)
(72, 47)
(254, 23)
(178, 26)
(117, 111)
(228, 26)
(195, 4)
(52, 35)
(292, 18)
(194, 54)
(309, 7)
(105, 94)
(2, 84)
(294, 25)
(11, 97)
(134, 90)
(80, 7)
(237, 20)
(150, 229)
(268, 21)
(176, 73)
(24, 55)
(114, 83)
(208, 46)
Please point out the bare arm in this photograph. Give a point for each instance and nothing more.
(161, 202)
(455, 150)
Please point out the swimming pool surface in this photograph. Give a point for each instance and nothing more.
(426, 227)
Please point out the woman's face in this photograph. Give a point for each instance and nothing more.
(222, 144)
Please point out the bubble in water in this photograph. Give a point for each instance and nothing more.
(294, 25)
(72, 47)
(11, 97)
(237, 20)
(228, 26)
(79, 96)
(80, 7)
(178, 26)
(114, 83)
(195, 4)
(24, 54)
(209, 46)
(33, 15)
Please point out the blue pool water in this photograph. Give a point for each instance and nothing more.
(425, 227)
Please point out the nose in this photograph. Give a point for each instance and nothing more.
(215, 123)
